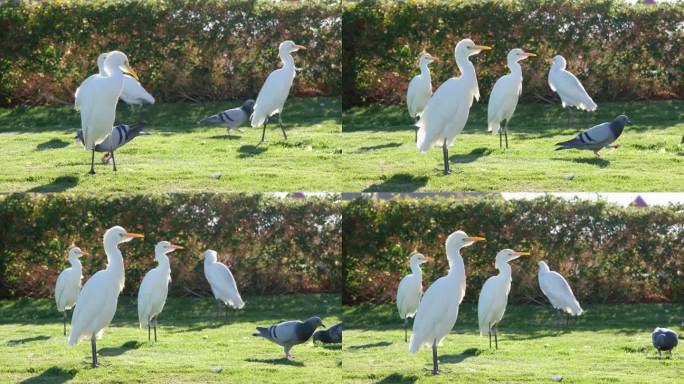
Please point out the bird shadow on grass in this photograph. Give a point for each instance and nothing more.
(332, 347)
(116, 351)
(249, 150)
(397, 378)
(52, 144)
(281, 361)
(224, 137)
(52, 375)
(198, 328)
(471, 157)
(59, 184)
(14, 342)
(601, 163)
(534, 335)
(379, 146)
(455, 359)
(399, 182)
(371, 345)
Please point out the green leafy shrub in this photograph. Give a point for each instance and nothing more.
(606, 252)
(271, 244)
(184, 50)
(619, 51)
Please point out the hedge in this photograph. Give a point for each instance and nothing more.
(619, 51)
(183, 50)
(272, 245)
(606, 252)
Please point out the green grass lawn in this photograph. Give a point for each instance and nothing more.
(608, 344)
(190, 343)
(381, 154)
(39, 154)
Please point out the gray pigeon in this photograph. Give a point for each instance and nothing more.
(233, 118)
(121, 134)
(597, 137)
(330, 335)
(290, 333)
(664, 339)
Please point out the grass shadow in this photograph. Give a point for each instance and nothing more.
(116, 351)
(199, 328)
(59, 184)
(281, 361)
(52, 144)
(397, 378)
(224, 137)
(52, 375)
(598, 162)
(371, 345)
(403, 182)
(249, 150)
(14, 342)
(380, 146)
(471, 157)
(455, 359)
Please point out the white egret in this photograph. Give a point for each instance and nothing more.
(410, 290)
(505, 94)
(155, 287)
(97, 98)
(558, 291)
(420, 87)
(494, 295)
(222, 283)
(446, 113)
(97, 301)
(438, 309)
(566, 85)
(275, 89)
(68, 283)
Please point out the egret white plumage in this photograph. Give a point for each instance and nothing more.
(68, 283)
(97, 301)
(505, 94)
(446, 113)
(222, 282)
(558, 291)
(155, 287)
(275, 90)
(568, 87)
(97, 98)
(410, 290)
(494, 295)
(420, 87)
(438, 309)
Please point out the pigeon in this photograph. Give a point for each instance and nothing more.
(597, 137)
(233, 118)
(664, 339)
(121, 134)
(290, 333)
(331, 335)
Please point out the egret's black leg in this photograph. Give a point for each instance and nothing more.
(149, 337)
(506, 134)
(435, 367)
(155, 329)
(65, 316)
(263, 132)
(490, 337)
(496, 337)
(567, 319)
(93, 347)
(500, 138)
(280, 122)
(92, 164)
(113, 161)
(405, 330)
(445, 154)
(218, 310)
(416, 120)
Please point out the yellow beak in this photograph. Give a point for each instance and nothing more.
(300, 47)
(519, 253)
(128, 70)
(174, 246)
(481, 47)
(135, 235)
(85, 253)
(529, 54)
(475, 238)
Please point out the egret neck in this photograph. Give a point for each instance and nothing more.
(415, 268)
(424, 69)
(515, 68)
(468, 75)
(115, 263)
(288, 61)
(504, 269)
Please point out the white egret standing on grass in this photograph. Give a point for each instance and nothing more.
(275, 89)
(558, 291)
(410, 290)
(494, 295)
(96, 304)
(97, 98)
(446, 113)
(438, 309)
(566, 85)
(68, 283)
(420, 87)
(222, 282)
(505, 94)
(155, 287)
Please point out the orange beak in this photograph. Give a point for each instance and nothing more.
(475, 238)
(85, 253)
(300, 47)
(529, 54)
(174, 246)
(135, 235)
(519, 253)
(482, 47)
